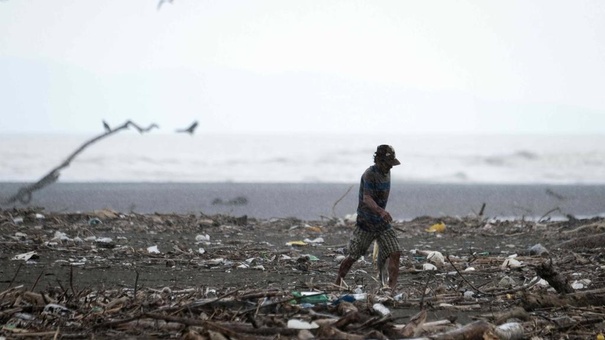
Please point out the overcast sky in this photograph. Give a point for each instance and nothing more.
(304, 66)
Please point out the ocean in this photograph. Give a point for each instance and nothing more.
(303, 176)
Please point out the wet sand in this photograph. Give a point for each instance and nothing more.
(311, 201)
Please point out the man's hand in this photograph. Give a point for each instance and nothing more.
(386, 216)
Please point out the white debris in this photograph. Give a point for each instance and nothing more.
(381, 309)
(20, 235)
(216, 262)
(56, 309)
(153, 250)
(511, 263)
(103, 240)
(202, 238)
(26, 256)
(314, 241)
(428, 267)
(301, 324)
(61, 236)
(436, 258)
(351, 218)
(580, 284)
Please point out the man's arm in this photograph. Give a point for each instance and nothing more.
(369, 201)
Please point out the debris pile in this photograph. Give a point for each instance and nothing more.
(111, 274)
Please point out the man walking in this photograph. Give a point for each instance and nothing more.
(373, 221)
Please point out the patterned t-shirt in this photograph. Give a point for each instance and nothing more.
(378, 186)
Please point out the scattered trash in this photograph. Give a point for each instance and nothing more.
(94, 221)
(301, 324)
(381, 309)
(61, 236)
(511, 263)
(244, 251)
(315, 229)
(506, 282)
(202, 238)
(153, 250)
(428, 267)
(433, 257)
(314, 241)
(296, 243)
(56, 309)
(437, 228)
(580, 284)
(538, 250)
(350, 218)
(21, 236)
(32, 255)
(436, 258)
(351, 298)
(311, 257)
(105, 242)
(18, 220)
(311, 297)
(510, 331)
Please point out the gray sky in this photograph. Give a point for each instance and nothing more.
(304, 66)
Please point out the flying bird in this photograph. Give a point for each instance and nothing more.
(106, 126)
(162, 2)
(154, 125)
(190, 129)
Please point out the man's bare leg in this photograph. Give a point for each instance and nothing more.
(345, 266)
(394, 269)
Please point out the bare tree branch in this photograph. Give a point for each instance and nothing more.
(24, 195)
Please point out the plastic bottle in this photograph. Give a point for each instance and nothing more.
(510, 331)
(380, 308)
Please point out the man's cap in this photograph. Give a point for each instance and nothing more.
(387, 153)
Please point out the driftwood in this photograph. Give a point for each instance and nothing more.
(586, 242)
(24, 195)
(547, 271)
(229, 309)
(474, 330)
(579, 299)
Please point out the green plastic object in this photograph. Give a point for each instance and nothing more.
(310, 297)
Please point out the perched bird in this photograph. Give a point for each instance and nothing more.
(190, 129)
(162, 2)
(106, 126)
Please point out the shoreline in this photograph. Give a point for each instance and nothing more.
(314, 201)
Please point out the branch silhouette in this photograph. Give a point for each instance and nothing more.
(24, 195)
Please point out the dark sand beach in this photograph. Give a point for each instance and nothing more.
(311, 201)
(211, 272)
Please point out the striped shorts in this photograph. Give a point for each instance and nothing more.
(361, 241)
